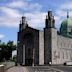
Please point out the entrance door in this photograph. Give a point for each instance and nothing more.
(28, 42)
(29, 62)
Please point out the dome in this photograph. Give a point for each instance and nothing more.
(66, 27)
(67, 22)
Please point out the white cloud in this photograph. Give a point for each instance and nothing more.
(12, 19)
(25, 5)
(36, 19)
(1, 36)
(67, 5)
(14, 10)
(61, 13)
(58, 21)
(11, 15)
(62, 10)
(17, 4)
(9, 22)
(9, 12)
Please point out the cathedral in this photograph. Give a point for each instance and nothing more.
(47, 46)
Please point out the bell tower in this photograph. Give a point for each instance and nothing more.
(23, 23)
(50, 21)
(50, 38)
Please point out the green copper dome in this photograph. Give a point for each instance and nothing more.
(67, 22)
(66, 27)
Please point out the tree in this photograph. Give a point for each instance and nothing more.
(6, 50)
(10, 48)
(2, 51)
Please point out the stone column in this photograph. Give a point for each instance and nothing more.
(33, 57)
(23, 54)
(41, 48)
(2, 68)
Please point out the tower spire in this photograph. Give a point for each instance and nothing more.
(20, 26)
(23, 19)
(67, 14)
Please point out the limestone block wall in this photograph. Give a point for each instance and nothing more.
(47, 46)
(54, 45)
(41, 47)
(21, 51)
(64, 49)
(36, 47)
(19, 48)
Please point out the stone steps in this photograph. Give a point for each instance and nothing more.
(33, 69)
(42, 69)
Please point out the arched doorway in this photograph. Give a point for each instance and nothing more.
(29, 45)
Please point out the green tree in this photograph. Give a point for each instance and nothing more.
(10, 48)
(2, 51)
(6, 50)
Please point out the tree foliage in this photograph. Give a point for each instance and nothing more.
(6, 50)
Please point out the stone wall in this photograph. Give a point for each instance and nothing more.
(64, 49)
(50, 45)
(19, 48)
(36, 47)
(54, 45)
(2, 68)
(22, 58)
(41, 47)
(47, 46)
(8, 65)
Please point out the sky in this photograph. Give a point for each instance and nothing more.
(35, 11)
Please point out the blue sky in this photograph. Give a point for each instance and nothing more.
(11, 12)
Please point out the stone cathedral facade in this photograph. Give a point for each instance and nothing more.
(35, 47)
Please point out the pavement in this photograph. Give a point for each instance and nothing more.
(17, 69)
(40, 69)
(64, 68)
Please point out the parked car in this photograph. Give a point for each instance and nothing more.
(69, 63)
